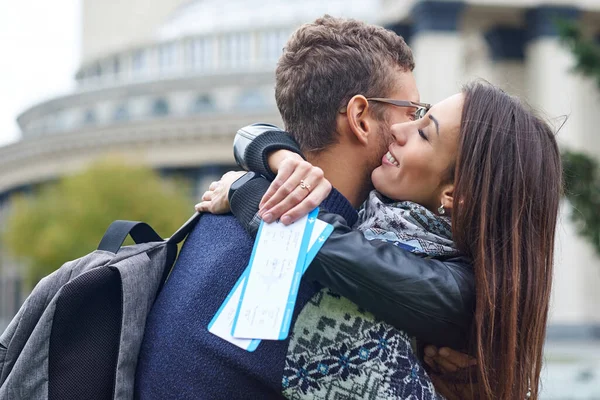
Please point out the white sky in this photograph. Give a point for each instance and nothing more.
(39, 43)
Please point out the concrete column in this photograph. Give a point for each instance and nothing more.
(588, 109)
(507, 51)
(551, 84)
(555, 90)
(437, 48)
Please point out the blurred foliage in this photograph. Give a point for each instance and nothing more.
(586, 50)
(582, 189)
(581, 172)
(65, 220)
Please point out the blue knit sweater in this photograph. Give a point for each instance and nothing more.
(179, 358)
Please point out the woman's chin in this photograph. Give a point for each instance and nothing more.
(383, 184)
(378, 179)
(376, 176)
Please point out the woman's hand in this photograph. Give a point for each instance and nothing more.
(447, 359)
(216, 199)
(298, 188)
(450, 372)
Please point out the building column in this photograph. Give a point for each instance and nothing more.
(507, 51)
(437, 48)
(555, 91)
(551, 83)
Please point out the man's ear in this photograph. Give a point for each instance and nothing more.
(359, 120)
(447, 199)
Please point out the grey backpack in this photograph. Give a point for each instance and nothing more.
(78, 334)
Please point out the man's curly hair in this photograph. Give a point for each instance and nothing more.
(327, 62)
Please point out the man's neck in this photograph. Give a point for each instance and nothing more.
(344, 173)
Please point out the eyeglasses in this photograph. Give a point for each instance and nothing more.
(421, 108)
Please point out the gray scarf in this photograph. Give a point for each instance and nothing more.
(406, 224)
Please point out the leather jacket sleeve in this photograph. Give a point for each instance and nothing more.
(432, 299)
(253, 144)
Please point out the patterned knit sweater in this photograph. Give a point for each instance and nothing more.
(339, 351)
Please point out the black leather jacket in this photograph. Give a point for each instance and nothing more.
(430, 298)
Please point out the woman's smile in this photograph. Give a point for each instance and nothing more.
(388, 159)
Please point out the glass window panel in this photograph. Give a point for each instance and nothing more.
(251, 100)
(208, 48)
(203, 103)
(160, 107)
(89, 117)
(116, 66)
(139, 61)
(224, 52)
(121, 113)
(166, 56)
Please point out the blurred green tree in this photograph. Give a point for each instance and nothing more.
(65, 220)
(581, 172)
(582, 189)
(586, 50)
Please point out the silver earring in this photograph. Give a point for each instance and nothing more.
(441, 210)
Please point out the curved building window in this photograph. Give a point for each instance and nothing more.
(59, 122)
(160, 107)
(89, 117)
(224, 52)
(44, 126)
(234, 50)
(167, 56)
(116, 66)
(139, 61)
(201, 53)
(203, 103)
(272, 43)
(96, 71)
(121, 113)
(251, 100)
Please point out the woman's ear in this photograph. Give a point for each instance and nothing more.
(447, 199)
(359, 120)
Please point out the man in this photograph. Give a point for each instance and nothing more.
(326, 65)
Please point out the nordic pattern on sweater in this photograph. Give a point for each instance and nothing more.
(338, 350)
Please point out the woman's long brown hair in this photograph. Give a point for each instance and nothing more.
(506, 198)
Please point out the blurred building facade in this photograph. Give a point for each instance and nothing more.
(166, 86)
(169, 85)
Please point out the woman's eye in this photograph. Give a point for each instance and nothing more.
(422, 134)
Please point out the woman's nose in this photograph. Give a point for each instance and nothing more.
(399, 133)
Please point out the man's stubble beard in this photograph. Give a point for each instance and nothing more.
(385, 138)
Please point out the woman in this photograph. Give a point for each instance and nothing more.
(494, 168)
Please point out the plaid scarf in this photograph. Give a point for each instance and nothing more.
(406, 224)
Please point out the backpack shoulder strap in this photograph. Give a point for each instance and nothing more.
(117, 233)
(185, 229)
